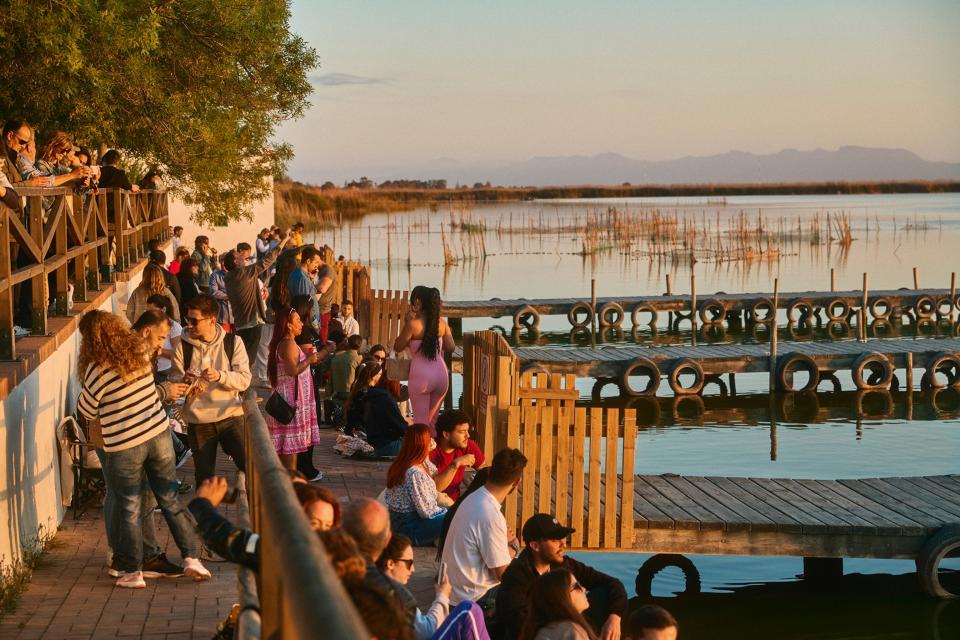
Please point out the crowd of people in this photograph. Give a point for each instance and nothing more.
(165, 381)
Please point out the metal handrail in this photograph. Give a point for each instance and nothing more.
(300, 594)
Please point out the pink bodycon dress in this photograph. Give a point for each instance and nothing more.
(427, 384)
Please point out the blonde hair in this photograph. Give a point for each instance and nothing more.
(58, 145)
(107, 341)
(153, 280)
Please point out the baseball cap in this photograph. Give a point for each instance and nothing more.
(544, 526)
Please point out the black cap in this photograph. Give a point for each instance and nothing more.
(544, 526)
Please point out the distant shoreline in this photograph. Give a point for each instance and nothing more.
(325, 206)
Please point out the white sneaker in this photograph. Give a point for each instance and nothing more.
(193, 568)
(131, 580)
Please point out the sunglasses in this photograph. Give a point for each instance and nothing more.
(193, 320)
(406, 561)
(22, 142)
(577, 587)
(380, 358)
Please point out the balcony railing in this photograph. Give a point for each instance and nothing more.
(58, 237)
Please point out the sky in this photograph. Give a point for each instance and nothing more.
(402, 85)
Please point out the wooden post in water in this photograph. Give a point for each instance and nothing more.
(916, 279)
(773, 340)
(833, 280)
(693, 308)
(863, 307)
(670, 314)
(953, 293)
(593, 309)
(910, 372)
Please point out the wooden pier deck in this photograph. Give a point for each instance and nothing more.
(868, 518)
(731, 302)
(610, 362)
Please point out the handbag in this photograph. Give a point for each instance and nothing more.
(279, 409)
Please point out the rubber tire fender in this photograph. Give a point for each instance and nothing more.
(577, 307)
(924, 307)
(933, 551)
(844, 309)
(874, 304)
(655, 564)
(643, 364)
(859, 368)
(711, 311)
(686, 364)
(796, 308)
(526, 311)
(930, 379)
(765, 305)
(614, 308)
(807, 363)
(640, 308)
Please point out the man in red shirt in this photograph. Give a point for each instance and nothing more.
(455, 451)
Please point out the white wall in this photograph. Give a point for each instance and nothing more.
(223, 238)
(30, 495)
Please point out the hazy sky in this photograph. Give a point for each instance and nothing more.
(405, 83)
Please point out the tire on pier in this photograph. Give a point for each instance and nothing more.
(831, 377)
(944, 542)
(576, 309)
(526, 317)
(924, 307)
(686, 365)
(640, 366)
(800, 310)
(797, 362)
(611, 314)
(944, 307)
(712, 311)
(715, 378)
(837, 309)
(598, 387)
(763, 311)
(880, 307)
(872, 371)
(946, 363)
(655, 564)
(644, 307)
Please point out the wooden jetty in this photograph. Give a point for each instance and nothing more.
(582, 468)
(643, 310)
(872, 364)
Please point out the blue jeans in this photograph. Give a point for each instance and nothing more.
(128, 470)
(421, 531)
(389, 450)
(111, 521)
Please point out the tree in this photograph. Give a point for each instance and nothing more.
(195, 86)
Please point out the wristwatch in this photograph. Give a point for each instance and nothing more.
(515, 546)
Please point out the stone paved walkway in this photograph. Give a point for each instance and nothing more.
(71, 596)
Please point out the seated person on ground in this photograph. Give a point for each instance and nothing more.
(411, 492)
(545, 540)
(455, 452)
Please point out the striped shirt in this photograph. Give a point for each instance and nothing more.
(129, 410)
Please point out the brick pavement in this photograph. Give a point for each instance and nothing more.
(71, 596)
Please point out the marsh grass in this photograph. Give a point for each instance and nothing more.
(15, 575)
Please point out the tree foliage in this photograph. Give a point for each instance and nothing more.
(194, 86)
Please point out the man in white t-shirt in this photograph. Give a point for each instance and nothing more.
(479, 546)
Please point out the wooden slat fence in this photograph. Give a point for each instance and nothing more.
(580, 467)
(387, 310)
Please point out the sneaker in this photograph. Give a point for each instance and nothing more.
(193, 568)
(131, 580)
(160, 567)
(113, 570)
(183, 456)
(317, 477)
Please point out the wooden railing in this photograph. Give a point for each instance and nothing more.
(58, 237)
(384, 316)
(300, 595)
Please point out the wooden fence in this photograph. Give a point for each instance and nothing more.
(58, 237)
(580, 467)
(384, 316)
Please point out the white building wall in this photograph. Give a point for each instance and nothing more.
(223, 238)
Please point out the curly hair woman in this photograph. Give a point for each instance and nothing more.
(151, 283)
(117, 389)
(426, 334)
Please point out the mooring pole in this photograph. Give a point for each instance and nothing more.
(953, 293)
(916, 279)
(773, 335)
(833, 280)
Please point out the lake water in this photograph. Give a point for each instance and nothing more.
(534, 250)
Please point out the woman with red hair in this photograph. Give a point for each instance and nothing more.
(411, 492)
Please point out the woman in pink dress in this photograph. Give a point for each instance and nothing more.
(427, 336)
(288, 368)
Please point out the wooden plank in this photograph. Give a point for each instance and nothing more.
(703, 515)
(513, 441)
(576, 505)
(562, 457)
(745, 513)
(627, 518)
(732, 521)
(593, 477)
(854, 503)
(547, 435)
(531, 421)
(949, 484)
(828, 512)
(914, 500)
(892, 503)
(928, 492)
(812, 520)
(647, 493)
(781, 521)
(612, 478)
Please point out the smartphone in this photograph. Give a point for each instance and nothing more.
(442, 573)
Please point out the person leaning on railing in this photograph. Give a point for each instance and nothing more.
(57, 163)
(8, 195)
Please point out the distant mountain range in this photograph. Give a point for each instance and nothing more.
(850, 163)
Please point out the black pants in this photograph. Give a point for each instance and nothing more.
(251, 341)
(203, 443)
